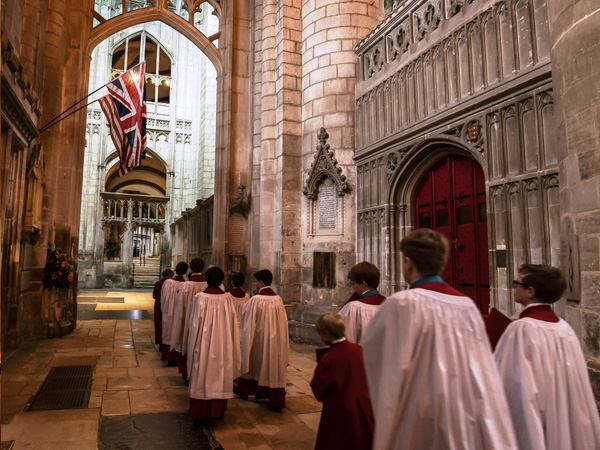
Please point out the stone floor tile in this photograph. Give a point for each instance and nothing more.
(139, 372)
(115, 407)
(125, 361)
(116, 395)
(149, 401)
(12, 388)
(126, 383)
(311, 420)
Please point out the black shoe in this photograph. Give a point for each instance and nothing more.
(171, 363)
(277, 410)
(240, 395)
(260, 397)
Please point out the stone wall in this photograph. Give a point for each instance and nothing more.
(575, 53)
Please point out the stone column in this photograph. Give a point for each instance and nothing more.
(575, 57)
(127, 247)
(330, 31)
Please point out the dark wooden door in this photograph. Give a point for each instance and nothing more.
(451, 199)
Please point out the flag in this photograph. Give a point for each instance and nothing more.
(125, 110)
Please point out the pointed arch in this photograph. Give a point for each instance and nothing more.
(140, 16)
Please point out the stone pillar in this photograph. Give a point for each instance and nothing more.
(576, 77)
(127, 248)
(331, 29)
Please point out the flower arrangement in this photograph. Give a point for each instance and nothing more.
(60, 270)
(111, 247)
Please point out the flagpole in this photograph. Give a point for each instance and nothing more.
(50, 125)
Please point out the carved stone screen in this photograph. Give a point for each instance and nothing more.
(323, 269)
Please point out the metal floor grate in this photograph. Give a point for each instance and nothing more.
(65, 387)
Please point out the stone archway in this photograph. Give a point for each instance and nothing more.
(404, 185)
(231, 124)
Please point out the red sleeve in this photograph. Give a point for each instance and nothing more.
(324, 381)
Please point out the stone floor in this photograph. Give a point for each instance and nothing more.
(130, 379)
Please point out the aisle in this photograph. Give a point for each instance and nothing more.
(132, 388)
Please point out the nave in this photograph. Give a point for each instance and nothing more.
(135, 399)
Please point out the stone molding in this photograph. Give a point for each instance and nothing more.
(325, 166)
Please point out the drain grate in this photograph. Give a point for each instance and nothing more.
(65, 387)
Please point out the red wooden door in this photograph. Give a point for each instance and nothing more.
(451, 199)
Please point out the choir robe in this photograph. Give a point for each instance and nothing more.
(340, 383)
(358, 313)
(157, 312)
(213, 360)
(545, 376)
(239, 298)
(431, 374)
(167, 298)
(180, 324)
(265, 348)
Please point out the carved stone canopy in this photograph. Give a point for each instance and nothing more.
(325, 166)
(240, 203)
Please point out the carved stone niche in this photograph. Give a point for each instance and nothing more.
(325, 189)
(32, 223)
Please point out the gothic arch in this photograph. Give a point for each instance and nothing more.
(419, 159)
(140, 16)
(403, 184)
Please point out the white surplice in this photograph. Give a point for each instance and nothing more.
(265, 341)
(239, 304)
(167, 303)
(432, 377)
(357, 316)
(547, 386)
(213, 360)
(180, 326)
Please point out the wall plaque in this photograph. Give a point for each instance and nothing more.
(327, 201)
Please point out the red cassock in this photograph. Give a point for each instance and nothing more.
(340, 383)
(157, 313)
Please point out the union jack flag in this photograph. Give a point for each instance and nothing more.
(125, 109)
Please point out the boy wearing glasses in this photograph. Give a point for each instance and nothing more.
(543, 369)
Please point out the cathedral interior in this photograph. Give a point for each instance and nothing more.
(299, 136)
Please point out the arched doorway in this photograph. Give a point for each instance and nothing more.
(450, 198)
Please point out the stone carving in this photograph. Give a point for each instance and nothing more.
(427, 20)
(398, 42)
(240, 203)
(325, 166)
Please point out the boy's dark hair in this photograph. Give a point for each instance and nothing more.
(237, 279)
(331, 323)
(265, 276)
(549, 282)
(367, 272)
(214, 276)
(197, 265)
(181, 268)
(167, 273)
(427, 249)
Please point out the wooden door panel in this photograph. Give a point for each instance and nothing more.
(451, 200)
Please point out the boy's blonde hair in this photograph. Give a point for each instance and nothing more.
(331, 323)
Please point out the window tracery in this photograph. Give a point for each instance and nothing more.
(142, 47)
